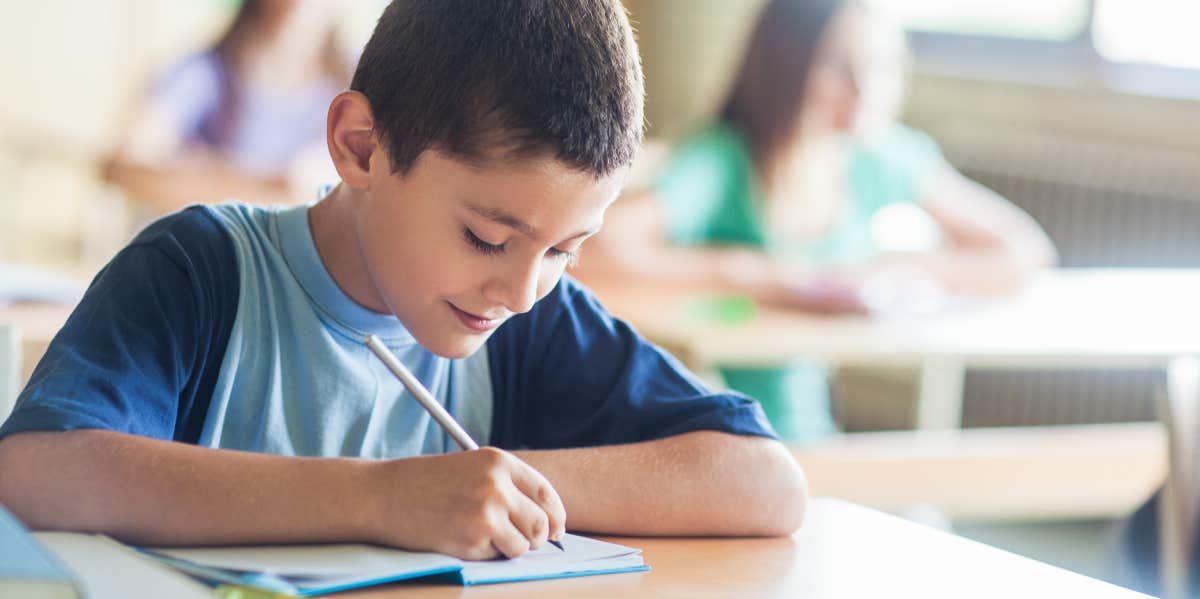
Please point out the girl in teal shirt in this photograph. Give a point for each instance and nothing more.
(787, 196)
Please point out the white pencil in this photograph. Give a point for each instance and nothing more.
(431, 405)
(426, 399)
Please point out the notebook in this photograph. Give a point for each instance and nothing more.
(27, 569)
(306, 570)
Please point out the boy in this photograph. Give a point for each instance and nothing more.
(480, 144)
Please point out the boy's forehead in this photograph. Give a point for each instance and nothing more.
(540, 171)
(532, 194)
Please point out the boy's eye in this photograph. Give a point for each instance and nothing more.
(571, 258)
(481, 245)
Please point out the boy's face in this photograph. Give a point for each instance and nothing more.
(454, 249)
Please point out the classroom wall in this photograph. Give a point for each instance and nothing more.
(71, 70)
(689, 48)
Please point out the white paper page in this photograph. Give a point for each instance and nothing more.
(581, 553)
(313, 561)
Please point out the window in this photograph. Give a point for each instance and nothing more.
(1159, 32)
(1143, 47)
(1052, 20)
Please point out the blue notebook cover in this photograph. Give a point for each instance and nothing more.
(307, 570)
(26, 563)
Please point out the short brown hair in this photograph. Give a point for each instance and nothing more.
(467, 77)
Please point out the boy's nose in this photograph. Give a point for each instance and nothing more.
(517, 288)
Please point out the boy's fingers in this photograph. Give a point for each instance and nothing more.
(529, 518)
(509, 541)
(537, 488)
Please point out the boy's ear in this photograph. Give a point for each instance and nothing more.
(350, 134)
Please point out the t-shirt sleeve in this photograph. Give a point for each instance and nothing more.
(896, 169)
(567, 374)
(191, 92)
(141, 351)
(705, 192)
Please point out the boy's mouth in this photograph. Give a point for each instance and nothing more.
(473, 322)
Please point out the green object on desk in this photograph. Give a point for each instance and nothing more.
(726, 310)
(236, 592)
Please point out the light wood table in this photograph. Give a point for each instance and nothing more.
(1026, 474)
(1065, 318)
(842, 550)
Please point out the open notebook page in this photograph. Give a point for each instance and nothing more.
(312, 567)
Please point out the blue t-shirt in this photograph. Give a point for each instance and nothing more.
(220, 326)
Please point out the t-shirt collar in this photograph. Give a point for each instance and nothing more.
(300, 252)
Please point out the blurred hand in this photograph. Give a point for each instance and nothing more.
(821, 294)
(472, 505)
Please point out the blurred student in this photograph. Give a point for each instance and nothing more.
(234, 120)
(805, 193)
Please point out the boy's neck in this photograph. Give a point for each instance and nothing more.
(335, 235)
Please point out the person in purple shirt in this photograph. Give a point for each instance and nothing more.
(235, 120)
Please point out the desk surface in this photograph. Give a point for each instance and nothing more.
(1067, 315)
(842, 550)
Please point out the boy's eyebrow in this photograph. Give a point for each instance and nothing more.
(497, 215)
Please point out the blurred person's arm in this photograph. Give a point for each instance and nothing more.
(153, 166)
(633, 250)
(990, 245)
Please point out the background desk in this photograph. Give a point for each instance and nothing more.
(37, 325)
(1110, 318)
(1064, 318)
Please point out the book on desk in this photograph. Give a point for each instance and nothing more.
(306, 570)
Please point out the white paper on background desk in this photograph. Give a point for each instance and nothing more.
(27, 284)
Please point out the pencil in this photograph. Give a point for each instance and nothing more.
(427, 401)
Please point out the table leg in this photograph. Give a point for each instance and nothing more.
(11, 378)
(939, 404)
(1177, 503)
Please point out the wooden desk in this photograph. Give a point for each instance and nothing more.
(842, 550)
(1017, 474)
(1066, 318)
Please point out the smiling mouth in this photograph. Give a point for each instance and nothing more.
(475, 323)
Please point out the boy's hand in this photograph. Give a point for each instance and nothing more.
(472, 505)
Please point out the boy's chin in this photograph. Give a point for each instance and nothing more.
(455, 347)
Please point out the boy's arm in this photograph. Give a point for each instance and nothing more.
(699, 483)
(472, 505)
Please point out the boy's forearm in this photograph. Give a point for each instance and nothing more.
(701, 483)
(157, 492)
